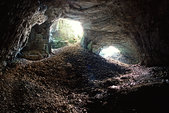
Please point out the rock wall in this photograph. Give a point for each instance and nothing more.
(38, 46)
(141, 26)
(17, 19)
(148, 24)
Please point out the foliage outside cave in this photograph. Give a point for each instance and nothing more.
(65, 32)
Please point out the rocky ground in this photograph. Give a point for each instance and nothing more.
(74, 80)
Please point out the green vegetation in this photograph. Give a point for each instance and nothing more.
(65, 32)
(89, 46)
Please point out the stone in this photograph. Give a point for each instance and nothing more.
(138, 28)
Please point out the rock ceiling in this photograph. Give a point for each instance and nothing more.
(138, 27)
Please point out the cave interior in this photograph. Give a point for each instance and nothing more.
(84, 56)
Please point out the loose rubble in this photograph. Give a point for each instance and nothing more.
(77, 81)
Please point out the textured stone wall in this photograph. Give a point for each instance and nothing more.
(38, 43)
(147, 20)
(17, 18)
(140, 25)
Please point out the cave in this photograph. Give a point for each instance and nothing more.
(84, 56)
(65, 32)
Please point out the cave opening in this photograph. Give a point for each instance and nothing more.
(65, 32)
(119, 53)
(45, 39)
(110, 52)
(122, 51)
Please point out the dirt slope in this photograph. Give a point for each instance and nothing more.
(74, 81)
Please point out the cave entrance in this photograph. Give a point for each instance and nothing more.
(47, 38)
(110, 52)
(65, 32)
(118, 53)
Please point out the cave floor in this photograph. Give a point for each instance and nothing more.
(77, 81)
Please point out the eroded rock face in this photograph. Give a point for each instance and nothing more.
(17, 19)
(147, 21)
(38, 45)
(138, 27)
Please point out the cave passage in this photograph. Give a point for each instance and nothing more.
(110, 52)
(84, 56)
(47, 38)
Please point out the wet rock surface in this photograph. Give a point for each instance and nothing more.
(77, 81)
